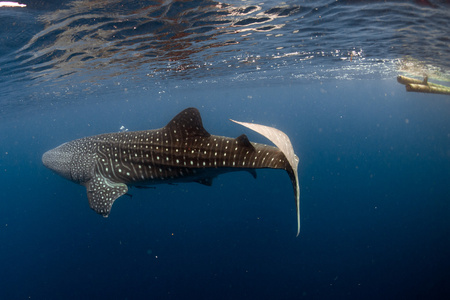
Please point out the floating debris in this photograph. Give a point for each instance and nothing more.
(422, 86)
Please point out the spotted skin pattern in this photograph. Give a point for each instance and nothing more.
(182, 151)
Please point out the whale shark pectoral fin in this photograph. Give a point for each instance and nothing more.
(102, 193)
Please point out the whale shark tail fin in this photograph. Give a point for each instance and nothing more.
(282, 141)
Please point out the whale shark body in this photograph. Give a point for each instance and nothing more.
(182, 151)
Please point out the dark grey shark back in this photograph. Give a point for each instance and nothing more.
(177, 150)
(181, 151)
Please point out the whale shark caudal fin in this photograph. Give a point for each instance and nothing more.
(282, 141)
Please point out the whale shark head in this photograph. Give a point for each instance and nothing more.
(70, 161)
(59, 160)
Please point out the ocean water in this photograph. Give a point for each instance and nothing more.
(374, 159)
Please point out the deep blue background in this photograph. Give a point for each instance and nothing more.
(375, 189)
(374, 160)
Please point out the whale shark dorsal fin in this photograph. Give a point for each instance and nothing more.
(187, 123)
(282, 141)
(243, 141)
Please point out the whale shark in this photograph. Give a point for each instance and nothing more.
(182, 151)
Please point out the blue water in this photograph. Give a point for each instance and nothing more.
(374, 159)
